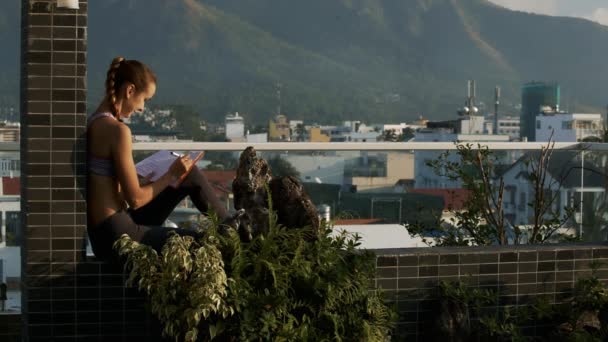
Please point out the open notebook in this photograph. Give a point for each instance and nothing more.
(156, 165)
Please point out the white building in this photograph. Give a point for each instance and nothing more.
(473, 124)
(563, 182)
(10, 164)
(10, 252)
(508, 126)
(569, 127)
(380, 236)
(257, 138)
(10, 207)
(235, 127)
(360, 127)
(396, 172)
(361, 137)
(320, 169)
(9, 132)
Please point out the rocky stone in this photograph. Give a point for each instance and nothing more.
(250, 188)
(293, 205)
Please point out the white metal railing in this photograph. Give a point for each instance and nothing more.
(360, 146)
(344, 146)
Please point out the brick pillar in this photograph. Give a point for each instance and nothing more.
(66, 295)
(53, 118)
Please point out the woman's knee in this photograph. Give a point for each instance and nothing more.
(195, 177)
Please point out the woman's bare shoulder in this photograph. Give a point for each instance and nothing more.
(111, 128)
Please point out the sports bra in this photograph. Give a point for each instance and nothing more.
(95, 165)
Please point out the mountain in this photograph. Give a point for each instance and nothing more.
(10, 12)
(376, 60)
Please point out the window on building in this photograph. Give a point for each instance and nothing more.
(521, 206)
(13, 219)
(566, 124)
(537, 124)
(512, 193)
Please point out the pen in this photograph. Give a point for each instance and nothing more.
(176, 154)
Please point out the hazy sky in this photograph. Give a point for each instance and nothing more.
(596, 10)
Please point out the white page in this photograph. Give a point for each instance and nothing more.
(157, 164)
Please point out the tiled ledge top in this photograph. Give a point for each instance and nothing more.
(489, 249)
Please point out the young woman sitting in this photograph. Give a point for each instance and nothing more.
(117, 203)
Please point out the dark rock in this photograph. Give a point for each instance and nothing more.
(293, 206)
(249, 187)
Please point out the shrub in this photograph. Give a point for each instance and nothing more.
(278, 287)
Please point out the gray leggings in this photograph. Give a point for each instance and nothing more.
(144, 224)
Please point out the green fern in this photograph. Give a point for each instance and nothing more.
(279, 286)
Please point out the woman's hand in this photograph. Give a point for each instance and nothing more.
(180, 166)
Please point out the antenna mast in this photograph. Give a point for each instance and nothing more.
(496, 103)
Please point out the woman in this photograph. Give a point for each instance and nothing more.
(112, 179)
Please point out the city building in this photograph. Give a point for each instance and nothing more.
(569, 127)
(298, 130)
(564, 182)
(447, 131)
(454, 201)
(9, 132)
(401, 127)
(507, 126)
(316, 135)
(534, 97)
(235, 127)
(389, 172)
(318, 169)
(357, 137)
(10, 164)
(10, 251)
(279, 129)
(256, 138)
(148, 135)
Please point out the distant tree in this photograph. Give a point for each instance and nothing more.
(389, 135)
(300, 132)
(256, 129)
(200, 135)
(188, 120)
(221, 161)
(483, 222)
(407, 134)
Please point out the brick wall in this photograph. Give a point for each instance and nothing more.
(10, 327)
(409, 277)
(65, 295)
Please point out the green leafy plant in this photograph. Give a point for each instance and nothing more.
(277, 287)
(482, 221)
(185, 284)
(464, 314)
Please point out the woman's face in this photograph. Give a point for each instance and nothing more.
(135, 100)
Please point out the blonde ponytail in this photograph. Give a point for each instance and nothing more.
(111, 83)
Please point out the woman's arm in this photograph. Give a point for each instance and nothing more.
(122, 155)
